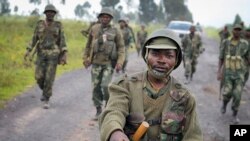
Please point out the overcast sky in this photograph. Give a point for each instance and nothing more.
(207, 12)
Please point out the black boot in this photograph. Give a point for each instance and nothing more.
(98, 112)
(224, 107)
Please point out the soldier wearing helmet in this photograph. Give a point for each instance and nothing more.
(153, 96)
(127, 37)
(105, 52)
(141, 38)
(234, 59)
(192, 46)
(49, 44)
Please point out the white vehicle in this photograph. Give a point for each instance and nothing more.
(180, 27)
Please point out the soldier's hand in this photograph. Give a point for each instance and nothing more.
(118, 67)
(86, 63)
(27, 54)
(118, 136)
(63, 59)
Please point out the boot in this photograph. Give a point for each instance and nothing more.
(236, 120)
(98, 112)
(224, 107)
(46, 104)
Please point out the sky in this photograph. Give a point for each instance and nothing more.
(215, 13)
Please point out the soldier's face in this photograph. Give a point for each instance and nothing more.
(161, 61)
(236, 32)
(50, 15)
(105, 19)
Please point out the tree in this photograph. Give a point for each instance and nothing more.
(4, 7)
(16, 9)
(147, 11)
(237, 19)
(177, 10)
(109, 3)
(36, 2)
(82, 10)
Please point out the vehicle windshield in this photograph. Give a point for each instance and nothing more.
(179, 26)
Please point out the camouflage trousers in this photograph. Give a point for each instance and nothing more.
(190, 67)
(233, 87)
(101, 76)
(45, 73)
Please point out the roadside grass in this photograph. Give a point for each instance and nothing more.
(212, 32)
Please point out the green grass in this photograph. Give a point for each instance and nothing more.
(212, 32)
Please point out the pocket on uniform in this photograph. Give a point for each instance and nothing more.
(172, 123)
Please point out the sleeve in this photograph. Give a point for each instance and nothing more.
(35, 38)
(120, 47)
(87, 49)
(62, 42)
(114, 116)
(192, 131)
(222, 49)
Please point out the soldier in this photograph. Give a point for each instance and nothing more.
(141, 38)
(191, 44)
(127, 37)
(247, 37)
(224, 34)
(234, 57)
(153, 96)
(49, 43)
(131, 30)
(105, 51)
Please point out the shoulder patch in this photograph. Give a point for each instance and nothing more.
(177, 95)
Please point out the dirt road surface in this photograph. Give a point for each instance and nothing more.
(71, 112)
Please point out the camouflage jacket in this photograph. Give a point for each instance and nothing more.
(141, 36)
(48, 39)
(171, 115)
(224, 34)
(104, 45)
(127, 36)
(191, 46)
(236, 58)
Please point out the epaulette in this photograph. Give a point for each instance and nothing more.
(178, 92)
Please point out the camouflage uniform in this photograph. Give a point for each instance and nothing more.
(49, 42)
(141, 38)
(127, 37)
(247, 37)
(169, 111)
(224, 34)
(105, 49)
(235, 56)
(192, 47)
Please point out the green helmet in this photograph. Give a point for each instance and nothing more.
(50, 7)
(122, 20)
(106, 10)
(164, 33)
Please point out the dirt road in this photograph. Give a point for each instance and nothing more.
(71, 112)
